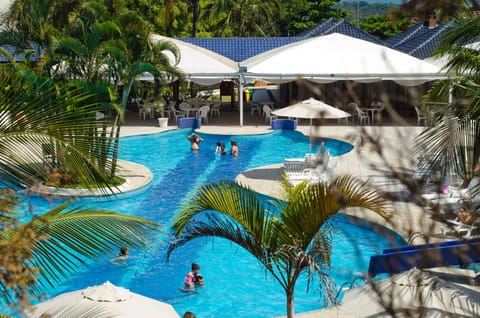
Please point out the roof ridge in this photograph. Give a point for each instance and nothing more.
(428, 40)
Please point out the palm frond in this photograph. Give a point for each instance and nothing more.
(69, 236)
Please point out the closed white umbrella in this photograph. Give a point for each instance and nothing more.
(103, 301)
(311, 108)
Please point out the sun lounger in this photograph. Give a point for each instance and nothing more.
(309, 161)
(455, 226)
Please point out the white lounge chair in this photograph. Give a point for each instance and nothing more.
(457, 227)
(312, 175)
(309, 161)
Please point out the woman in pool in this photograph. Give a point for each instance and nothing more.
(195, 141)
(234, 150)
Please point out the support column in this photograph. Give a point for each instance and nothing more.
(240, 98)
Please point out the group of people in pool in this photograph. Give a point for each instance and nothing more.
(195, 141)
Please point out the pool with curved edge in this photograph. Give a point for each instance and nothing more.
(235, 283)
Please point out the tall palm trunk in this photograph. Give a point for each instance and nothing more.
(290, 302)
(195, 14)
(125, 93)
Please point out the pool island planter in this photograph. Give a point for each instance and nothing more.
(137, 177)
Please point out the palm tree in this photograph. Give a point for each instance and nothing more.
(245, 17)
(135, 55)
(454, 136)
(288, 240)
(51, 247)
(40, 250)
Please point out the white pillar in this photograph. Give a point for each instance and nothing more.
(240, 98)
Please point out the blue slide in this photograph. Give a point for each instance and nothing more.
(396, 260)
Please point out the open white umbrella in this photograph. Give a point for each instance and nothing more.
(310, 109)
(103, 301)
(414, 293)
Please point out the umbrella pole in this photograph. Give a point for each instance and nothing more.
(310, 135)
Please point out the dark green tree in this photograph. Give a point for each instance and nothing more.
(454, 104)
(302, 15)
(244, 17)
(383, 26)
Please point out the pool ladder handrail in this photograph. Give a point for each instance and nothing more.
(351, 285)
(415, 235)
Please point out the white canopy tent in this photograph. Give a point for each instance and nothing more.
(334, 57)
(200, 65)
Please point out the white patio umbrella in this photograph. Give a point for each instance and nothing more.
(410, 294)
(309, 109)
(103, 301)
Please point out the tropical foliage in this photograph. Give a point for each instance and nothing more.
(289, 238)
(47, 249)
(39, 119)
(455, 105)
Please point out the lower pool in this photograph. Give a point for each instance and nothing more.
(235, 283)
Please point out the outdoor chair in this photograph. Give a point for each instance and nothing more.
(420, 116)
(359, 114)
(203, 113)
(299, 164)
(173, 112)
(458, 227)
(268, 114)
(215, 110)
(255, 108)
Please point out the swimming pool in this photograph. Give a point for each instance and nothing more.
(236, 284)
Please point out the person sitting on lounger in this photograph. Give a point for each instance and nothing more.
(464, 216)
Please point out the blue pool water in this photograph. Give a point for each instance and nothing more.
(236, 285)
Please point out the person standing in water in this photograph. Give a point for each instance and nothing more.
(195, 141)
(234, 150)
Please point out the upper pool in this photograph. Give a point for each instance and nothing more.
(235, 283)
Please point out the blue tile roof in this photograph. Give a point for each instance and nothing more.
(342, 26)
(239, 49)
(11, 51)
(419, 41)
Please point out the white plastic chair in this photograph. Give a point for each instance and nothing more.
(255, 108)
(173, 112)
(185, 108)
(203, 113)
(268, 116)
(361, 115)
(420, 116)
(215, 109)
